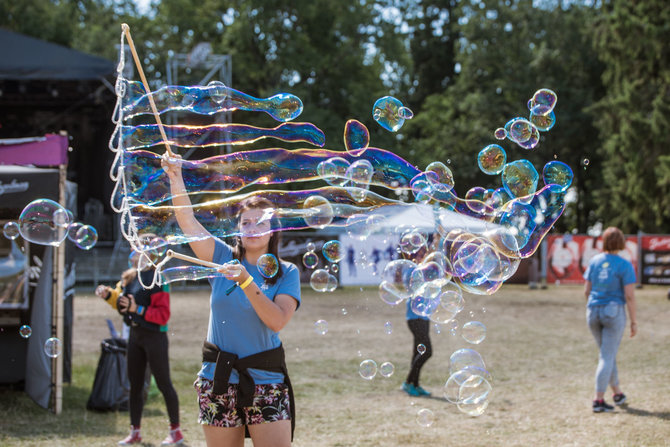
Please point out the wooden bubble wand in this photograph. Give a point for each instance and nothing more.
(173, 254)
(138, 64)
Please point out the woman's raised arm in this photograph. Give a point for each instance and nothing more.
(200, 240)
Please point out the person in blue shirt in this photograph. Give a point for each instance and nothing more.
(609, 288)
(243, 385)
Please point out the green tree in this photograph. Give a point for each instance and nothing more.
(507, 51)
(633, 118)
(319, 50)
(433, 43)
(44, 19)
(91, 26)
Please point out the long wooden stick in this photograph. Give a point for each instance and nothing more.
(174, 254)
(138, 64)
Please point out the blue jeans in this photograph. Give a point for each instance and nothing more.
(607, 324)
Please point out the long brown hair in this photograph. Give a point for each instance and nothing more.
(260, 203)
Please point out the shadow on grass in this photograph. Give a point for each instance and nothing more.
(664, 415)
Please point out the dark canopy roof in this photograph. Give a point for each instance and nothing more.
(27, 58)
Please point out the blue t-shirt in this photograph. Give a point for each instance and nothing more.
(234, 325)
(608, 274)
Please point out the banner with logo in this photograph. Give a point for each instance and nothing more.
(569, 255)
(656, 259)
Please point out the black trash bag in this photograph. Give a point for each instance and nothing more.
(111, 387)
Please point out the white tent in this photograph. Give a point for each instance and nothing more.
(424, 217)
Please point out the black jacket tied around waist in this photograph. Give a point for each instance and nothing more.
(272, 360)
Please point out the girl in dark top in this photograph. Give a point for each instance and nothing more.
(147, 312)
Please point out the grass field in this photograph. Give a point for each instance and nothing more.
(537, 348)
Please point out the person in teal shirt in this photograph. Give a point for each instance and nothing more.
(243, 385)
(609, 288)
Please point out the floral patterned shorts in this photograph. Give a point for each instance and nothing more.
(271, 403)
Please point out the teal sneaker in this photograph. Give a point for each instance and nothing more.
(410, 389)
(421, 391)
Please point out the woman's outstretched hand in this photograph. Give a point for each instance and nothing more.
(171, 164)
(234, 271)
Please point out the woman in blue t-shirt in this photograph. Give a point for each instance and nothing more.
(243, 383)
(609, 286)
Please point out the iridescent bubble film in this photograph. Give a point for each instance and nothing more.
(37, 224)
(519, 178)
(444, 174)
(334, 171)
(543, 102)
(474, 395)
(86, 237)
(471, 242)
(395, 285)
(321, 327)
(72, 231)
(53, 347)
(25, 331)
(206, 100)
(452, 388)
(473, 332)
(333, 251)
(368, 369)
(11, 230)
(492, 159)
(320, 280)
(62, 218)
(557, 173)
(464, 358)
(425, 417)
(543, 123)
(310, 260)
(268, 265)
(386, 369)
(356, 137)
(390, 113)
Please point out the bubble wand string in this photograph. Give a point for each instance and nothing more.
(126, 31)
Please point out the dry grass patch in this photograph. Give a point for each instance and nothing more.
(538, 349)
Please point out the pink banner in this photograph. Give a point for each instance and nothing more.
(51, 151)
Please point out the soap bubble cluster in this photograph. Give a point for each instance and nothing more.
(470, 243)
(46, 222)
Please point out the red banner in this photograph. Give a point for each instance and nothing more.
(568, 256)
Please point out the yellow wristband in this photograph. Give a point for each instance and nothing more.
(246, 283)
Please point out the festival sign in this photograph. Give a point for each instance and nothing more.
(655, 259)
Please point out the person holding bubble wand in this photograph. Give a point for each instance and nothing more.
(243, 386)
(146, 311)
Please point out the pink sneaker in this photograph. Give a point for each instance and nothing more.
(175, 437)
(133, 438)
